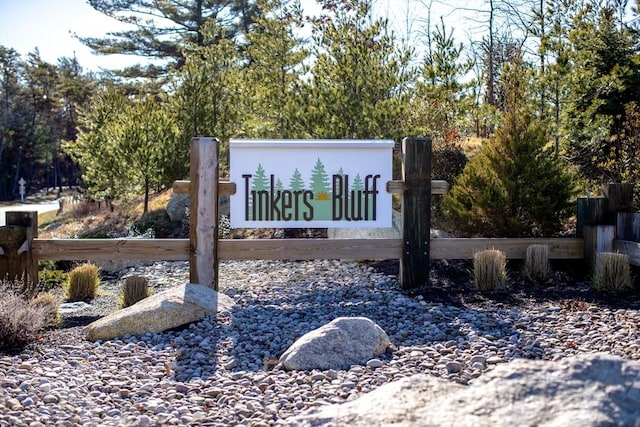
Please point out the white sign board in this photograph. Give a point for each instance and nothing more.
(310, 183)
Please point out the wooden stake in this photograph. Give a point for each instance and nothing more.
(18, 261)
(203, 214)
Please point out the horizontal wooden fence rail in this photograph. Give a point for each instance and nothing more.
(226, 188)
(292, 249)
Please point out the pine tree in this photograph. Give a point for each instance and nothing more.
(163, 29)
(513, 187)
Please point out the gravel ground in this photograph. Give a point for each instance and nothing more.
(223, 371)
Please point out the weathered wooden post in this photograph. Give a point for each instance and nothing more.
(597, 238)
(620, 199)
(416, 212)
(203, 212)
(16, 257)
(591, 211)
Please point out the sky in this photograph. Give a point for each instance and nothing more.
(49, 25)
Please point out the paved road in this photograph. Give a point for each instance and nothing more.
(40, 207)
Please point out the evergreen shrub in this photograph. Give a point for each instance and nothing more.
(83, 283)
(513, 187)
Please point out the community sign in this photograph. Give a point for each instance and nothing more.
(310, 183)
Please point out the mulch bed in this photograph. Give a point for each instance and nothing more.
(451, 282)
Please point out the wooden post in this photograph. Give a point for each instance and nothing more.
(620, 198)
(591, 211)
(597, 238)
(416, 212)
(16, 257)
(203, 213)
(628, 226)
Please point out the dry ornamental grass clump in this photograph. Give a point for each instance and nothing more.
(83, 283)
(612, 273)
(536, 263)
(490, 271)
(51, 308)
(20, 321)
(135, 288)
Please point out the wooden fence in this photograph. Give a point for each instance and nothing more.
(204, 250)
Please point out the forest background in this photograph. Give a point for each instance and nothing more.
(551, 87)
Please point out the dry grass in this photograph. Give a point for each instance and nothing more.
(20, 321)
(490, 271)
(135, 288)
(70, 224)
(612, 273)
(83, 283)
(536, 263)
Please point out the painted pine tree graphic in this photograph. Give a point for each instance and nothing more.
(259, 181)
(296, 183)
(320, 182)
(259, 185)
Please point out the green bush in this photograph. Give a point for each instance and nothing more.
(612, 273)
(135, 288)
(50, 277)
(490, 271)
(514, 187)
(83, 283)
(20, 321)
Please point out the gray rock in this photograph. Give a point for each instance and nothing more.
(587, 390)
(339, 344)
(165, 310)
(177, 206)
(72, 307)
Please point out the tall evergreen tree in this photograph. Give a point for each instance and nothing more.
(357, 87)
(274, 56)
(605, 77)
(513, 187)
(163, 28)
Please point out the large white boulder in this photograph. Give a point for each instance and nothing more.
(339, 344)
(165, 310)
(587, 390)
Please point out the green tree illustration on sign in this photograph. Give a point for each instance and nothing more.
(259, 181)
(296, 183)
(357, 184)
(320, 181)
(279, 186)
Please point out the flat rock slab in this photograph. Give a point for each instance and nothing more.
(587, 390)
(72, 307)
(162, 311)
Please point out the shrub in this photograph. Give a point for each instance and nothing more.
(513, 187)
(50, 277)
(447, 161)
(20, 321)
(135, 288)
(612, 273)
(51, 308)
(490, 270)
(536, 263)
(83, 282)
